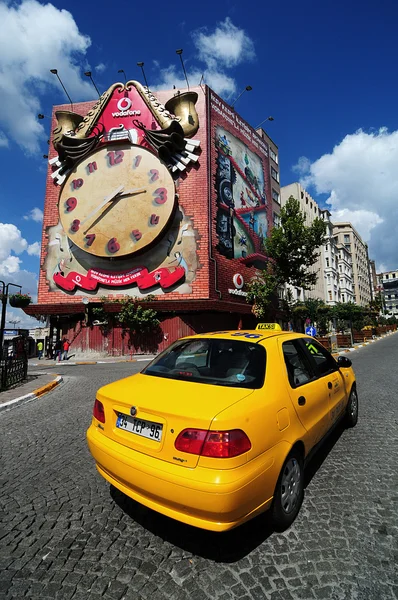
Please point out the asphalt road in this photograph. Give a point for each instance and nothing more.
(66, 534)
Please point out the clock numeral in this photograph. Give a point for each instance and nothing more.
(70, 204)
(90, 237)
(77, 183)
(154, 220)
(113, 246)
(115, 157)
(153, 175)
(75, 226)
(91, 167)
(160, 195)
(137, 235)
(137, 161)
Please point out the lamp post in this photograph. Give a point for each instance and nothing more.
(141, 65)
(248, 88)
(267, 119)
(88, 74)
(179, 52)
(4, 298)
(55, 72)
(122, 71)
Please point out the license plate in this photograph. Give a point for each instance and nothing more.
(147, 429)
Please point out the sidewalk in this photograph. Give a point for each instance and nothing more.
(35, 386)
(88, 359)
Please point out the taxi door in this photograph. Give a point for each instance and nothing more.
(307, 392)
(328, 372)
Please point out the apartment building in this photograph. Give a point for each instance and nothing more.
(388, 286)
(311, 210)
(347, 236)
(274, 176)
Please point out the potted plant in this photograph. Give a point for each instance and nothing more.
(19, 300)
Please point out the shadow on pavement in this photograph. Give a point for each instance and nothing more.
(227, 547)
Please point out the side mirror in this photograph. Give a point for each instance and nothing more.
(344, 362)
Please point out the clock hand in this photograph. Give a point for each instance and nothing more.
(132, 192)
(102, 204)
(115, 200)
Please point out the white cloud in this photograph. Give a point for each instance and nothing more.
(9, 266)
(100, 68)
(218, 81)
(34, 39)
(36, 214)
(11, 240)
(227, 45)
(34, 249)
(3, 140)
(361, 177)
(223, 48)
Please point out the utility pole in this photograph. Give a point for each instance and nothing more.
(4, 298)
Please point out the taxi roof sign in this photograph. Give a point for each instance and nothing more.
(269, 326)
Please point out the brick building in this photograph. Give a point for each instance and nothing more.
(139, 202)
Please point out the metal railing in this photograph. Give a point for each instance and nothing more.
(13, 362)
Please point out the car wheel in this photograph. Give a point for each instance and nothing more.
(289, 492)
(351, 415)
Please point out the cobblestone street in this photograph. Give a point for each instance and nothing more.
(66, 535)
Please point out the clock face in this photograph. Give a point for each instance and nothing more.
(117, 201)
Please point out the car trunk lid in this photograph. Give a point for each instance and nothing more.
(146, 413)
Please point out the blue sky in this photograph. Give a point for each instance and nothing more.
(326, 72)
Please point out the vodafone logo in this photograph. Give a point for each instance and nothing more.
(238, 281)
(123, 109)
(124, 104)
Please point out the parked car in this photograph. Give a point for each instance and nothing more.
(218, 427)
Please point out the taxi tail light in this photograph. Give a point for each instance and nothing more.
(98, 411)
(215, 444)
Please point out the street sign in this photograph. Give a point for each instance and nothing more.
(310, 331)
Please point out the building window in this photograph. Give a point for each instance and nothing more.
(393, 275)
(302, 195)
(327, 262)
(273, 155)
(346, 239)
(274, 174)
(306, 200)
(343, 297)
(330, 294)
(386, 276)
(275, 196)
(311, 205)
(276, 220)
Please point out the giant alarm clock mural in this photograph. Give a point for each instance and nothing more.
(118, 171)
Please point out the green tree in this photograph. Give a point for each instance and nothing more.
(292, 249)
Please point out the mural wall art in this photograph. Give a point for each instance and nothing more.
(117, 171)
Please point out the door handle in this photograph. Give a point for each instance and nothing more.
(301, 401)
(330, 385)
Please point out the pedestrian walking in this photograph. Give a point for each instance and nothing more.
(58, 350)
(65, 348)
(40, 350)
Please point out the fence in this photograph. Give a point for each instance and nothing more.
(13, 362)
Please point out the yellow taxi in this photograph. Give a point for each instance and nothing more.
(218, 427)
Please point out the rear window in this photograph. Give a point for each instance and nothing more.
(213, 361)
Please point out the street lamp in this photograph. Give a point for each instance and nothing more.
(88, 74)
(122, 71)
(179, 52)
(55, 72)
(4, 298)
(248, 88)
(141, 65)
(267, 119)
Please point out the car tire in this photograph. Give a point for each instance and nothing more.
(351, 415)
(289, 492)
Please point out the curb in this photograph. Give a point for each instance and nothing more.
(88, 362)
(33, 395)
